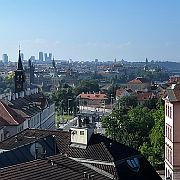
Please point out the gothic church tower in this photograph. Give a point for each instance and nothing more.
(19, 77)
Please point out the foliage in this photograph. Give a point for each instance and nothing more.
(128, 102)
(111, 92)
(139, 127)
(141, 122)
(87, 86)
(64, 98)
(154, 150)
(151, 103)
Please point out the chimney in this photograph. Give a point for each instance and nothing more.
(9, 96)
(79, 122)
(16, 95)
(13, 96)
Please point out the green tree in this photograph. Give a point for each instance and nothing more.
(154, 151)
(141, 123)
(64, 98)
(116, 125)
(151, 103)
(87, 86)
(129, 127)
(128, 102)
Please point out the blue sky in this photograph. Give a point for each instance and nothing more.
(90, 29)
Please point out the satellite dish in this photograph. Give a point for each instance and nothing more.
(36, 150)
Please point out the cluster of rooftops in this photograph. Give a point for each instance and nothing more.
(47, 154)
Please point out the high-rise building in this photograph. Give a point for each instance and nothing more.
(22, 56)
(41, 56)
(32, 58)
(50, 57)
(5, 58)
(45, 57)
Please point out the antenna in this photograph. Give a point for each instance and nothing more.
(19, 48)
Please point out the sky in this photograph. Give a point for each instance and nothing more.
(91, 29)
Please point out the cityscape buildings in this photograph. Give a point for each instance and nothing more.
(5, 58)
(41, 57)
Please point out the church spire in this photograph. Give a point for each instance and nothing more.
(19, 76)
(19, 66)
(53, 63)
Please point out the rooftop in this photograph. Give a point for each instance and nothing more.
(105, 156)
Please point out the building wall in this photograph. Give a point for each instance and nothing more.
(95, 102)
(44, 119)
(10, 131)
(172, 140)
(139, 87)
(125, 93)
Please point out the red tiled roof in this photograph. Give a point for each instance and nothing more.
(93, 96)
(138, 80)
(144, 96)
(9, 115)
(119, 91)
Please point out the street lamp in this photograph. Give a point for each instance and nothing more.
(68, 106)
(111, 101)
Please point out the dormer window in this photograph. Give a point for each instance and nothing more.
(133, 164)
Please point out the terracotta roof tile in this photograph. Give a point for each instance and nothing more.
(9, 115)
(138, 80)
(93, 96)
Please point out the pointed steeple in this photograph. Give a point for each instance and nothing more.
(29, 63)
(19, 66)
(53, 63)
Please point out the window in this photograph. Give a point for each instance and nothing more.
(168, 132)
(170, 112)
(169, 153)
(81, 132)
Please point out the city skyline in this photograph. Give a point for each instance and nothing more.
(88, 30)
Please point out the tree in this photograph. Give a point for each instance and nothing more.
(154, 151)
(111, 92)
(64, 98)
(129, 127)
(128, 102)
(151, 103)
(141, 123)
(115, 125)
(138, 127)
(87, 86)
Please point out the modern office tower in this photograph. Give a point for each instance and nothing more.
(40, 56)
(50, 57)
(32, 58)
(5, 58)
(22, 56)
(45, 57)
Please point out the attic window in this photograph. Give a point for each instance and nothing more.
(133, 164)
(81, 132)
